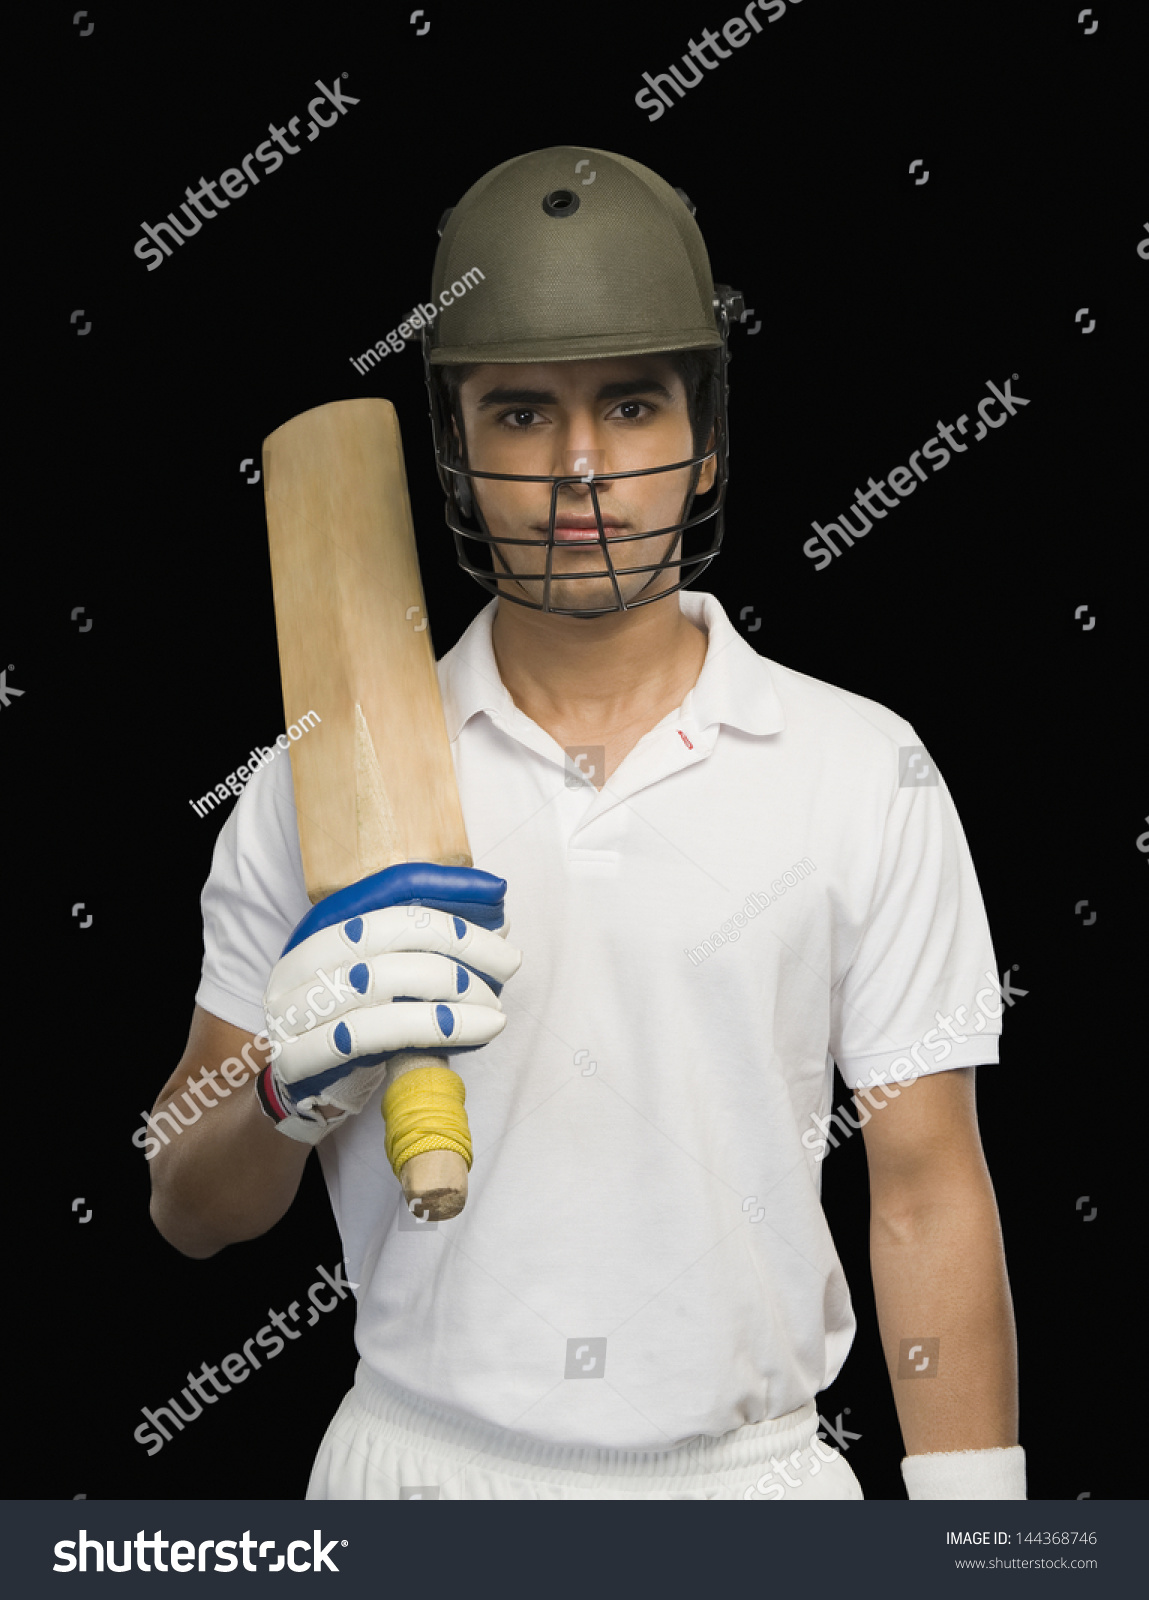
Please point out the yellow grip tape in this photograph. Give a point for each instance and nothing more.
(424, 1110)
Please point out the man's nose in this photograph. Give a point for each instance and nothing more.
(583, 461)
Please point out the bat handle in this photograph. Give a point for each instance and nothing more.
(436, 1178)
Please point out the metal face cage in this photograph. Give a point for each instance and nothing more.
(465, 519)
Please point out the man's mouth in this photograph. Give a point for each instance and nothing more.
(573, 530)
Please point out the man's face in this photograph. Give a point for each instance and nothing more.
(555, 418)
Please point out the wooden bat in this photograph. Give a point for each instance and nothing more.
(374, 780)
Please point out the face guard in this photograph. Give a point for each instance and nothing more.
(464, 515)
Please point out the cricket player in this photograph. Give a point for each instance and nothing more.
(725, 876)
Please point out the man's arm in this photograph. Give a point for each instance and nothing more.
(938, 1264)
(230, 1175)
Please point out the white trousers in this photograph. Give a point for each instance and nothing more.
(386, 1444)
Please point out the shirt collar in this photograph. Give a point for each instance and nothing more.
(735, 685)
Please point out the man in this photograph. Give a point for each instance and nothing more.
(641, 1298)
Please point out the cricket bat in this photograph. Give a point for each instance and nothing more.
(374, 779)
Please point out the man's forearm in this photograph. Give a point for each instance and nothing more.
(939, 1273)
(230, 1176)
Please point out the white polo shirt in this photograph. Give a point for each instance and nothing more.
(647, 1164)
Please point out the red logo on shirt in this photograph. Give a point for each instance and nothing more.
(685, 740)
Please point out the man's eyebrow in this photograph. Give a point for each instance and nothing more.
(619, 390)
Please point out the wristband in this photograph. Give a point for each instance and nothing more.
(293, 1123)
(997, 1474)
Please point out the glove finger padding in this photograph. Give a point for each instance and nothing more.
(373, 1037)
(393, 929)
(411, 975)
(314, 1060)
(344, 1062)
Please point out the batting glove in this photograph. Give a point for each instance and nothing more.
(411, 958)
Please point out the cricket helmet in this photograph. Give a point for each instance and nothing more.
(574, 254)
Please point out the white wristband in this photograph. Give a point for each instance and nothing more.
(967, 1475)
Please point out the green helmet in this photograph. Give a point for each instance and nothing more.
(572, 254)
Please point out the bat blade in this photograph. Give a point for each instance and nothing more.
(372, 769)
(370, 757)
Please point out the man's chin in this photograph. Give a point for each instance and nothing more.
(586, 594)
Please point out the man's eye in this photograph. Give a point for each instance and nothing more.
(518, 416)
(635, 407)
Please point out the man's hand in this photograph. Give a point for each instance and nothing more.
(345, 999)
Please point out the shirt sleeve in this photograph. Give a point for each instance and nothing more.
(253, 898)
(925, 954)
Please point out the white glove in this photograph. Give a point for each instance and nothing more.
(347, 998)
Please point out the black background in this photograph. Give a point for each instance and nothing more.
(884, 305)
